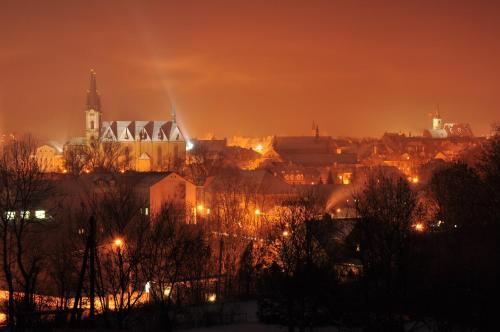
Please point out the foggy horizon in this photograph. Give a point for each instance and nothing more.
(255, 69)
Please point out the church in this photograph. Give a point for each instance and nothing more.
(447, 130)
(149, 145)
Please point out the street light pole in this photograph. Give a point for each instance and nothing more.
(92, 240)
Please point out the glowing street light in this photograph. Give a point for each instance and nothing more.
(189, 146)
(118, 242)
(257, 212)
(167, 291)
(285, 233)
(419, 227)
(212, 298)
(259, 148)
(200, 207)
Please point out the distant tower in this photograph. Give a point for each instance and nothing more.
(93, 111)
(174, 114)
(437, 122)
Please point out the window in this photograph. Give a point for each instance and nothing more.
(346, 178)
(143, 134)
(92, 124)
(25, 214)
(10, 215)
(40, 214)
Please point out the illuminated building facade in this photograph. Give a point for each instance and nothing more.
(150, 145)
(440, 130)
(49, 157)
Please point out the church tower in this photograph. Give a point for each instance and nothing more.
(437, 122)
(93, 111)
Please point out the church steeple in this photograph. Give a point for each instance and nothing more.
(437, 122)
(93, 99)
(93, 111)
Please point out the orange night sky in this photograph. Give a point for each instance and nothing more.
(358, 68)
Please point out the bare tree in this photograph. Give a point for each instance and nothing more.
(120, 214)
(232, 200)
(203, 163)
(22, 186)
(175, 253)
(389, 214)
(97, 155)
(489, 168)
(297, 272)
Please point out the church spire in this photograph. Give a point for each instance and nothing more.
(93, 100)
(174, 115)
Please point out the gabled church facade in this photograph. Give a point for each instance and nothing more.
(150, 145)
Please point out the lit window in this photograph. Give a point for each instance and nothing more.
(40, 214)
(146, 211)
(10, 215)
(346, 178)
(25, 214)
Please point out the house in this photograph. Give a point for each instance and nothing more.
(49, 157)
(153, 190)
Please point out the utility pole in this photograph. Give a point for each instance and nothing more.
(92, 240)
(90, 250)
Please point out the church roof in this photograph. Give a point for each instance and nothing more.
(156, 131)
(307, 144)
(437, 133)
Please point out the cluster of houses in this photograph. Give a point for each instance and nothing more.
(160, 159)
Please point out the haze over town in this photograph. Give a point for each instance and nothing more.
(251, 68)
(249, 165)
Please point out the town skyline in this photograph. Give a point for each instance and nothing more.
(222, 165)
(356, 71)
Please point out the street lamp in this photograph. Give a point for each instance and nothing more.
(118, 242)
(419, 227)
(212, 297)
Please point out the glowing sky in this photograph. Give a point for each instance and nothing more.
(251, 67)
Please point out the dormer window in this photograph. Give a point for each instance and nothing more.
(143, 134)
